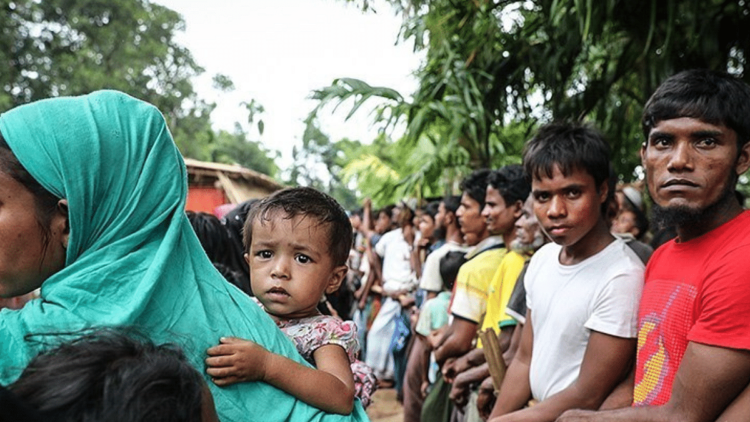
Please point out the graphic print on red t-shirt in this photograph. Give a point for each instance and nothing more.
(662, 338)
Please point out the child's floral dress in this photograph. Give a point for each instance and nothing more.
(313, 332)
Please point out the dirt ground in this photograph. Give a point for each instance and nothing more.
(385, 407)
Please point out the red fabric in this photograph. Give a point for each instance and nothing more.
(697, 291)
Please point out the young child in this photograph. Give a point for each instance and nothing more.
(297, 242)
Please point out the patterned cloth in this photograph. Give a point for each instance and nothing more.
(311, 333)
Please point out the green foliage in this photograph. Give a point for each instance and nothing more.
(236, 148)
(72, 47)
(319, 162)
(495, 70)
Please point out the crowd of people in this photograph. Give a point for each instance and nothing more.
(556, 258)
(545, 291)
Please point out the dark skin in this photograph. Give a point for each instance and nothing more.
(605, 364)
(486, 398)
(456, 341)
(568, 208)
(461, 332)
(472, 368)
(692, 163)
(501, 218)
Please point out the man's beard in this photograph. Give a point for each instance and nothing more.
(684, 216)
(523, 248)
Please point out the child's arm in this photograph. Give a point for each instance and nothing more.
(329, 388)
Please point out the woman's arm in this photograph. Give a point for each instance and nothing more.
(330, 387)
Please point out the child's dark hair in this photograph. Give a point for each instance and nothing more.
(449, 266)
(511, 182)
(710, 96)
(475, 185)
(305, 202)
(569, 146)
(110, 375)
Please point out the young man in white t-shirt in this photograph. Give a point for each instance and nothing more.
(582, 290)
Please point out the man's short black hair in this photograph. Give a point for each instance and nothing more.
(475, 185)
(452, 203)
(306, 202)
(431, 209)
(569, 146)
(511, 182)
(713, 97)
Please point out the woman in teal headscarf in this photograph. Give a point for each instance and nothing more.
(102, 180)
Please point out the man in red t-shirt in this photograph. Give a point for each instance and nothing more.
(694, 320)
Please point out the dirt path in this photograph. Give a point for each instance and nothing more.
(385, 407)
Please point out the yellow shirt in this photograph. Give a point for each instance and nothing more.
(472, 284)
(499, 291)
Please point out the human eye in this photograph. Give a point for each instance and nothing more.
(264, 254)
(706, 142)
(303, 259)
(660, 141)
(541, 196)
(573, 193)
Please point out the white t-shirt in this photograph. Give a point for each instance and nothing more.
(395, 253)
(568, 301)
(431, 279)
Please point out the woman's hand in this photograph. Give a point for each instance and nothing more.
(236, 360)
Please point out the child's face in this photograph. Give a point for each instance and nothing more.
(291, 265)
(567, 207)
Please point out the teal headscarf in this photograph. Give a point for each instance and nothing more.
(132, 257)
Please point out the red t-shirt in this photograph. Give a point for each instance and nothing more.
(696, 291)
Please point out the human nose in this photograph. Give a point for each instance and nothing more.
(556, 208)
(520, 223)
(280, 269)
(680, 158)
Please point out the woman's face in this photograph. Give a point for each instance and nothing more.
(26, 260)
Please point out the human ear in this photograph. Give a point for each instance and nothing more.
(603, 191)
(743, 159)
(517, 209)
(247, 258)
(337, 277)
(61, 223)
